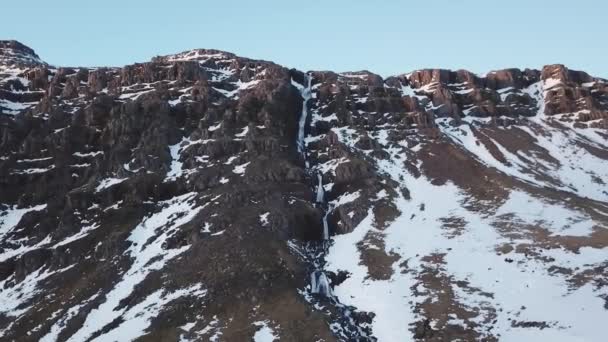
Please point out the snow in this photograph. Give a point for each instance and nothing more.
(114, 206)
(240, 86)
(220, 74)
(243, 132)
(14, 297)
(264, 218)
(206, 228)
(264, 332)
(230, 160)
(505, 92)
(200, 55)
(551, 82)
(316, 118)
(33, 170)
(11, 217)
(188, 326)
(213, 326)
(464, 91)
(34, 160)
(138, 318)
(572, 313)
(470, 257)
(331, 165)
(464, 136)
(23, 248)
(175, 169)
(575, 171)
(175, 102)
(536, 92)
(387, 299)
(148, 255)
(53, 333)
(89, 154)
(577, 166)
(408, 91)
(176, 166)
(354, 75)
(429, 88)
(345, 199)
(84, 231)
(215, 128)
(108, 182)
(240, 169)
(10, 107)
(557, 218)
(135, 95)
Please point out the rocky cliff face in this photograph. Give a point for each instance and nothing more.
(206, 196)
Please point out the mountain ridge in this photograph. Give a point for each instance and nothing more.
(203, 196)
(495, 80)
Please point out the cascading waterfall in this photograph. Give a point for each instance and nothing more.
(319, 281)
(323, 285)
(325, 226)
(320, 191)
(320, 199)
(306, 95)
(320, 284)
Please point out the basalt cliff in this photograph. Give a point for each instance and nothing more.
(204, 196)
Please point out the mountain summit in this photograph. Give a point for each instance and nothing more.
(204, 196)
(14, 54)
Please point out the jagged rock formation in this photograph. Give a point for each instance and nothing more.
(175, 200)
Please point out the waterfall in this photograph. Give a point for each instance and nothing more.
(320, 191)
(325, 226)
(306, 95)
(319, 281)
(320, 284)
(320, 198)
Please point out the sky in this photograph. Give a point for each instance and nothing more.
(384, 36)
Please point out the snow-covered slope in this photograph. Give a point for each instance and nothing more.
(203, 196)
(496, 230)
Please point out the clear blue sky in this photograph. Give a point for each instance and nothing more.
(384, 36)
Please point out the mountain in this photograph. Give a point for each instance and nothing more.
(204, 196)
